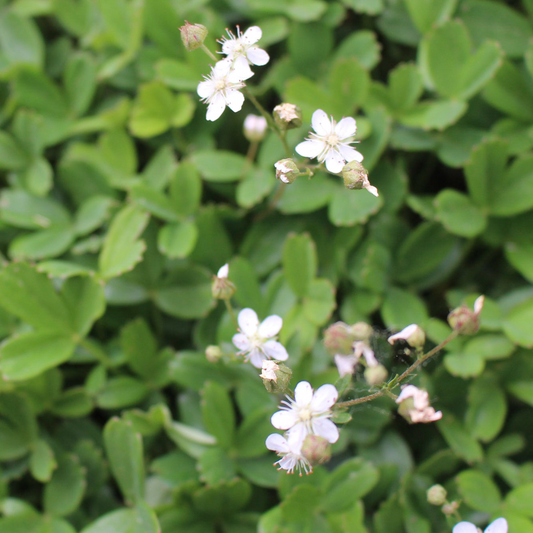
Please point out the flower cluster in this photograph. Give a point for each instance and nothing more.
(414, 405)
(308, 413)
(222, 87)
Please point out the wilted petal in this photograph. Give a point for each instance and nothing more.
(310, 148)
(334, 162)
(465, 527)
(252, 35)
(409, 391)
(256, 56)
(277, 443)
(270, 326)
(284, 419)
(248, 321)
(498, 526)
(326, 429)
(242, 342)
(234, 100)
(256, 358)
(215, 108)
(345, 364)
(324, 398)
(321, 122)
(275, 350)
(349, 153)
(303, 393)
(346, 128)
(372, 190)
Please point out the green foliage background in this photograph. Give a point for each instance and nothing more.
(119, 202)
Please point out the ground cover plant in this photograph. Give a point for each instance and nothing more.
(242, 232)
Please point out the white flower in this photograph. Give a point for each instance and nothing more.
(223, 271)
(221, 89)
(290, 452)
(331, 142)
(498, 526)
(421, 412)
(346, 364)
(253, 339)
(308, 413)
(240, 49)
(268, 370)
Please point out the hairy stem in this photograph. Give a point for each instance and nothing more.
(229, 307)
(399, 379)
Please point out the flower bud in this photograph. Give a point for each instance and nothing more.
(287, 170)
(450, 508)
(465, 320)
(213, 353)
(316, 449)
(413, 335)
(193, 35)
(221, 287)
(275, 375)
(355, 175)
(287, 116)
(361, 331)
(338, 339)
(376, 375)
(437, 495)
(255, 128)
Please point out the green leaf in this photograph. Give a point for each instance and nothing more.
(349, 82)
(92, 213)
(43, 244)
(122, 248)
(39, 177)
(120, 392)
(63, 495)
(301, 504)
(491, 346)
(218, 414)
(319, 303)
(177, 74)
(252, 433)
(28, 355)
(42, 461)
(371, 7)
(428, 13)
(521, 257)
(369, 266)
(299, 262)
(305, 196)
(255, 187)
(362, 45)
(520, 498)
(145, 519)
(32, 297)
(118, 20)
(459, 440)
(458, 214)
(124, 450)
(307, 95)
(517, 323)
(434, 115)
(348, 208)
(154, 201)
(79, 80)
(12, 156)
(248, 293)
(465, 365)
(185, 189)
(511, 92)
(139, 346)
(177, 240)
(73, 403)
(20, 39)
(119, 521)
(478, 490)
(215, 466)
(401, 308)
(219, 165)
(18, 426)
(405, 86)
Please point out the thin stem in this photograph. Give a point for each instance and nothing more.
(227, 303)
(399, 379)
(209, 53)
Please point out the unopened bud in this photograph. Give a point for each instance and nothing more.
(355, 175)
(213, 353)
(287, 170)
(376, 375)
(193, 35)
(413, 335)
(338, 339)
(221, 287)
(287, 116)
(316, 449)
(275, 375)
(255, 128)
(450, 508)
(437, 495)
(361, 331)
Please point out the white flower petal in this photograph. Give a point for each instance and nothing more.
(478, 304)
(346, 128)
(288, 463)
(277, 443)
(404, 334)
(223, 271)
(252, 35)
(229, 46)
(310, 148)
(296, 437)
(498, 526)
(324, 398)
(270, 326)
(372, 190)
(248, 321)
(409, 391)
(334, 162)
(284, 419)
(221, 68)
(275, 350)
(326, 429)
(345, 364)
(234, 100)
(349, 153)
(303, 393)
(242, 342)
(241, 70)
(256, 358)
(206, 88)
(465, 527)
(256, 56)
(215, 108)
(321, 122)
